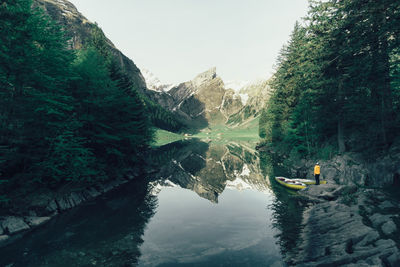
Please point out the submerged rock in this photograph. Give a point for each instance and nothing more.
(4, 238)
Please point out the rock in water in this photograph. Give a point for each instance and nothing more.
(3, 238)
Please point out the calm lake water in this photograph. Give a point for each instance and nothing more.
(208, 204)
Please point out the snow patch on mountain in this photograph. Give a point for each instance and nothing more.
(245, 170)
(237, 87)
(238, 184)
(244, 98)
(153, 83)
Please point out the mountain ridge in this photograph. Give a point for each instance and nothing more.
(201, 102)
(232, 103)
(78, 30)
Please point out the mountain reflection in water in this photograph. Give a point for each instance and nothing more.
(208, 168)
(208, 204)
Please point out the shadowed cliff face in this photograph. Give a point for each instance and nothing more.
(208, 169)
(79, 31)
(201, 102)
(207, 101)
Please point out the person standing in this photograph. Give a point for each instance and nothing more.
(317, 172)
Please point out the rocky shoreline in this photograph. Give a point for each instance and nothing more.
(351, 221)
(36, 210)
(347, 226)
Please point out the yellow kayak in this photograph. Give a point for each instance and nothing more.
(290, 183)
(309, 181)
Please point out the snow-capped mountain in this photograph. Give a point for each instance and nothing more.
(153, 83)
(208, 100)
(235, 85)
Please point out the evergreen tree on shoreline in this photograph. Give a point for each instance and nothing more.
(346, 79)
(65, 116)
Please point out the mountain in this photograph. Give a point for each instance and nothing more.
(237, 86)
(201, 102)
(207, 168)
(207, 100)
(153, 83)
(258, 93)
(79, 30)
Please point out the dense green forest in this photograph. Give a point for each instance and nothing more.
(337, 81)
(65, 116)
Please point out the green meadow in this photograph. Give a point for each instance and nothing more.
(218, 133)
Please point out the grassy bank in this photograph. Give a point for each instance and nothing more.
(247, 132)
(164, 137)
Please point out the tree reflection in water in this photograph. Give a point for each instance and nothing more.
(207, 168)
(106, 232)
(288, 206)
(111, 230)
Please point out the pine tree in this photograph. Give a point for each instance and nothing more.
(337, 79)
(112, 114)
(34, 68)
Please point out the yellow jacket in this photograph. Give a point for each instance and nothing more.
(317, 169)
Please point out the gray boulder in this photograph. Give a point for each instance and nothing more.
(65, 203)
(35, 221)
(13, 224)
(93, 192)
(389, 227)
(386, 205)
(77, 198)
(378, 219)
(334, 235)
(52, 206)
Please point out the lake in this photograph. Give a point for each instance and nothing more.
(205, 204)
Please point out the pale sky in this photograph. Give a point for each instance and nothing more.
(178, 39)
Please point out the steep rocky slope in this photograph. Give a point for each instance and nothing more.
(153, 83)
(199, 103)
(206, 100)
(79, 31)
(257, 94)
(354, 219)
